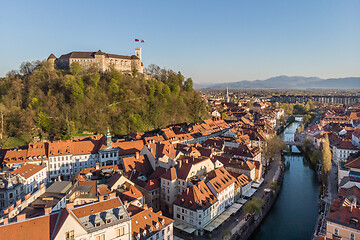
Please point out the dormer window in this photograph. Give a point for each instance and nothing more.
(97, 224)
(144, 233)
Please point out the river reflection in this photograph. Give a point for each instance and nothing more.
(293, 215)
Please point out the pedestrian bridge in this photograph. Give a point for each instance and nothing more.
(294, 143)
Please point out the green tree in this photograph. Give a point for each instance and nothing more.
(315, 157)
(224, 115)
(254, 206)
(273, 146)
(273, 185)
(65, 132)
(188, 85)
(75, 68)
(325, 158)
(43, 121)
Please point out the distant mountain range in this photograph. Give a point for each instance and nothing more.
(286, 82)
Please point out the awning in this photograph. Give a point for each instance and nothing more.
(242, 201)
(249, 192)
(258, 182)
(184, 227)
(217, 221)
(234, 208)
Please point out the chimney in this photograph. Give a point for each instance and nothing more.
(137, 155)
(180, 164)
(18, 202)
(47, 210)
(42, 185)
(112, 195)
(20, 217)
(11, 207)
(353, 205)
(69, 205)
(6, 211)
(97, 166)
(6, 221)
(101, 198)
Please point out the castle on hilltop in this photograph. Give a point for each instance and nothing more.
(99, 59)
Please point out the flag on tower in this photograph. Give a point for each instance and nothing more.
(142, 40)
(136, 40)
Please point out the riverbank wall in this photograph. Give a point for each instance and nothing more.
(269, 199)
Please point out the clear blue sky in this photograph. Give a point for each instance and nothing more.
(210, 41)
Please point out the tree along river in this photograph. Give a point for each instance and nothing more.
(293, 215)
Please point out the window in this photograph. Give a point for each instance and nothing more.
(108, 220)
(100, 237)
(69, 235)
(120, 232)
(336, 231)
(352, 236)
(97, 224)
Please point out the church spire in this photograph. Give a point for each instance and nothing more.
(227, 95)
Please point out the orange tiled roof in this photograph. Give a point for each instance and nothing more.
(28, 170)
(148, 221)
(170, 174)
(140, 165)
(196, 197)
(97, 207)
(221, 179)
(40, 228)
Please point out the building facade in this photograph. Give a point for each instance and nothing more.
(100, 60)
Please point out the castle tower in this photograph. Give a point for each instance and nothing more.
(138, 52)
(52, 59)
(108, 139)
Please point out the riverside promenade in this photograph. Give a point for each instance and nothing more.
(236, 224)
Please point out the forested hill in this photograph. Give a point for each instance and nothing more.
(43, 102)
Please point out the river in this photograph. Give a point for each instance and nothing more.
(293, 215)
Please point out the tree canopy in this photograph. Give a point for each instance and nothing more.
(44, 102)
(325, 158)
(254, 206)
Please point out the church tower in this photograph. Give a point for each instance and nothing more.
(227, 99)
(108, 139)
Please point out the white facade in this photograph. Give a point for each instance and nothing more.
(199, 218)
(66, 165)
(225, 197)
(341, 155)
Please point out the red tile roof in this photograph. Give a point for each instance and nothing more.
(147, 220)
(140, 165)
(170, 174)
(28, 170)
(220, 179)
(196, 197)
(40, 228)
(87, 210)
